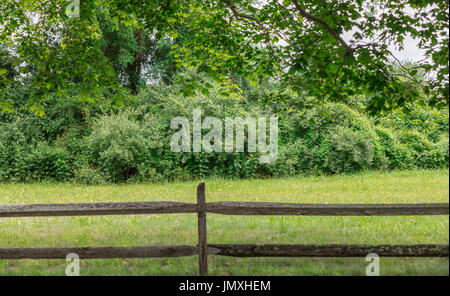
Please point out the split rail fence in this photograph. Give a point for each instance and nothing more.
(203, 249)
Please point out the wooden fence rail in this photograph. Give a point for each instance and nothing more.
(250, 250)
(92, 209)
(227, 208)
(265, 208)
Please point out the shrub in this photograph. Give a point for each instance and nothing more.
(118, 145)
(44, 162)
(315, 126)
(349, 151)
(88, 175)
(12, 143)
(419, 147)
(439, 156)
(159, 105)
(340, 114)
(293, 158)
(428, 121)
(398, 155)
(133, 145)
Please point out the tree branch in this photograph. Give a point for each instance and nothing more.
(239, 15)
(247, 18)
(348, 48)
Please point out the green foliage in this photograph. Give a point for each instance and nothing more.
(235, 58)
(440, 153)
(398, 155)
(298, 42)
(8, 76)
(419, 147)
(134, 53)
(12, 142)
(349, 151)
(430, 122)
(43, 162)
(94, 144)
(118, 145)
(335, 139)
(292, 160)
(87, 175)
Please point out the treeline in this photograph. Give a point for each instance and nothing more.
(94, 143)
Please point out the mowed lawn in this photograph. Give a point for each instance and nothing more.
(144, 230)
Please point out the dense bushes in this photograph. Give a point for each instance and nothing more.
(11, 142)
(336, 139)
(44, 163)
(20, 161)
(118, 145)
(349, 151)
(398, 155)
(93, 144)
(440, 153)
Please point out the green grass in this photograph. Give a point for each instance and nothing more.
(141, 230)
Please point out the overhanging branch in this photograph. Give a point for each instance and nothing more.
(348, 48)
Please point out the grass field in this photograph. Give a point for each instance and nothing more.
(141, 230)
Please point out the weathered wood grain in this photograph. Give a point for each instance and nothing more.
(99, 252)
(254, 250)
(91, 209)
(264, 208)
(229, 208)
(233, 250)
(202, 241)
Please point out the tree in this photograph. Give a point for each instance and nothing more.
(299, 43)
(135, 54)
(302, 44)
(8, 76)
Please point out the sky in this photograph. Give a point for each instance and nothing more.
(411, 51)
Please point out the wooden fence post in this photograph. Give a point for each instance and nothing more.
(202, 242)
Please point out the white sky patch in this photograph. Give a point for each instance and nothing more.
(410, 52)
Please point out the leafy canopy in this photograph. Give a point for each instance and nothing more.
(303, 44)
